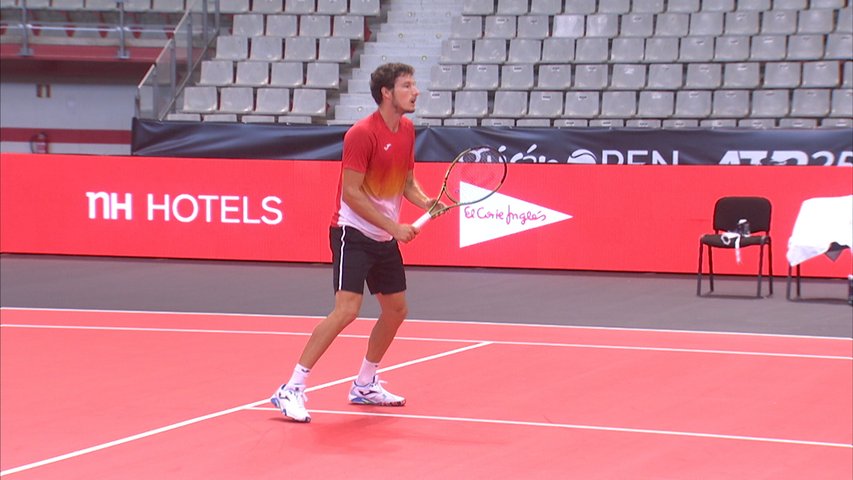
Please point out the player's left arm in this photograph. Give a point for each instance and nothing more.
(415, 194)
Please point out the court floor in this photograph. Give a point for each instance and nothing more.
(126, 390)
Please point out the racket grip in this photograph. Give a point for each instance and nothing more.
(422, 220)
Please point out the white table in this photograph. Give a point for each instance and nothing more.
(824, 226)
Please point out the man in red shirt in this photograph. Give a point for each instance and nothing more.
(376, 174)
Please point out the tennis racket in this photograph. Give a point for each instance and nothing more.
(473, 176)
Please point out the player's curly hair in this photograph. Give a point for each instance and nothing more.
(385, 76)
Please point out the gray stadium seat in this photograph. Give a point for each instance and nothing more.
(273, 101)
(731, 104)
(287, 74)
(165, 6)
(489, 50)
(499, 26)
(842, 103)
(779, 22)
(466, 27)
(813, 20)
(782, 75)
(558, 50)
(768, 48)
(703, 76)
(200, 99)
(470, 104)
(770, 103)
(718, 5)
(266, 48)
(435, 105)
(614, 6)
(731, 48)
(251, 73)
(533, 26)
(457, 50)
(524, 50)
(509, 104)
(512, 7)
(753, 5)
(554, 77)
(580, 7)
(810, 103)
(654, 104)
(591, 77)
(602, 25)
(220, 117)
(847, 81)
(236, 100)
(248, 24)
(661, 50)
(592, 50)
(482, 77)
(680, 123)
(517, 77)
(478, 7)
(797, 123)
(568, 26)
(446, 77)
(581, 104)
(332, 7)
(315, 26)
(334, 49)
(323, 75)
(498, 122)
(637, 25)
(844, 23)
(232, 47)
(696, 49)
(692, 103)
(570, 122)
(367, 8)
(620, 104)
(821, 74)
(805, 47)
(742, 23)
(643, 123)
(228, 6)
(741, 75)
(665, 76)
(216, 72)
(545, 104)
(300, 49)
(310, 102)
(299, 7)
(627, 50)
(628, 77)
(706, 23)
(282, 25)
(647, 6)
(348, 26)
(839, 46)
(756, 123)
(672, 24)
(546, 7)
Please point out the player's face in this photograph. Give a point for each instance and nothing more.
(405, 94)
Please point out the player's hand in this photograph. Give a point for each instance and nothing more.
(436, 205)
(405, 233)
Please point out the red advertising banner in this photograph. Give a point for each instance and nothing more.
(546, 216)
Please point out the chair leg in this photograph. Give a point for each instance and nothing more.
(770, 262)
(699, 272)
(788, 284)
(798, 282)
(760, 265)
(711, 267)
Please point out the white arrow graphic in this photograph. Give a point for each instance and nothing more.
(499, 216)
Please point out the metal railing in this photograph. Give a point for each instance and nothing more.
(195, 33)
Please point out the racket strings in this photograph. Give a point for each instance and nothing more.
(482, 167)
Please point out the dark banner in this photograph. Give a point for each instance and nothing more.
(602, 146)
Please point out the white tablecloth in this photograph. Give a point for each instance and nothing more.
(821, 222)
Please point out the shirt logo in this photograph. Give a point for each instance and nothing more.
(387, 147)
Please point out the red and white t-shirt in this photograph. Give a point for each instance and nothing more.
(385, 158)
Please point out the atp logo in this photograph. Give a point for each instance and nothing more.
(499, 216)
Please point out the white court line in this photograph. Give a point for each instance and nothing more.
(415, 320)
(579, 427)
(431, 339)
(202, 418)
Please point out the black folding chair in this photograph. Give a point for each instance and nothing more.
(729, 212)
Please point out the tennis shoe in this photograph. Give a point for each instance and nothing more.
(374, 394)
(291, 402)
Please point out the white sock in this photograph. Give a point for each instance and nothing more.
(300, 375)
(367, 372)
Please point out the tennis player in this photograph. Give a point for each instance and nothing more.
(376, 174)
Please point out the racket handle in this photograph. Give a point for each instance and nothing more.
(423, 220)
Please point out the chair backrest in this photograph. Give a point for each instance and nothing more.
(729, 210)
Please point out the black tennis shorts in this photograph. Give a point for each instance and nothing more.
(357, 258)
